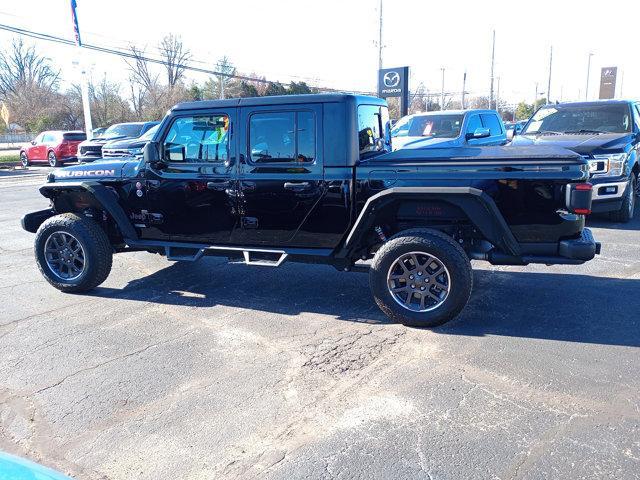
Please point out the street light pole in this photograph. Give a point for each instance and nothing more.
(84, 87)
(442, 91)
(549, 85)
(493, 57)
(586, 89)
(464, 87)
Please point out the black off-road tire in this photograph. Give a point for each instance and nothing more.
(98, 253)
(53, 160)
(447, 251)
(24, 160)
(627, 210)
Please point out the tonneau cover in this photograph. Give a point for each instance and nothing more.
(471, 154)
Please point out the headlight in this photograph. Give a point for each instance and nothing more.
(135, 151)
(609, 165)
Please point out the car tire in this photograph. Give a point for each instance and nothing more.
(421, 278)
(24, 160)
(73, 253)
(53, 160)
(627, 210)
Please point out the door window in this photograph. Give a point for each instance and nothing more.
(492, 122)
(282, 137)
(198, 138)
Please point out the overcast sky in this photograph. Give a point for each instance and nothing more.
(333, 42)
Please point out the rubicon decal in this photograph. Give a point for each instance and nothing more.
(86, 173)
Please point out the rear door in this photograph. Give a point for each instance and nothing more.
(280, 174)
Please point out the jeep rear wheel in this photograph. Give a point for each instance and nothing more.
(421, 278)
(73, 253)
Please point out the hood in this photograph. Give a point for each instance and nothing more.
(102, 141)
(582, 144)
(98, 170)
(125, 143)
(422, 142)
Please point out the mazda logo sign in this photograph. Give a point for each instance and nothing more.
(391, 79)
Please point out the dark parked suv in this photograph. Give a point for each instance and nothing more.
(607, 134)
(91, 150)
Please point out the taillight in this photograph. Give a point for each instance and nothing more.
(578, 198)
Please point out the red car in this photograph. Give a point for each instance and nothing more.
(54, 147)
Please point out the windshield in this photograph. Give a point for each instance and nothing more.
(150, 133)
(123, 130)
(432, 126)
(613, 118)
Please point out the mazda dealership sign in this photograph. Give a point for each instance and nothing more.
(393, 82)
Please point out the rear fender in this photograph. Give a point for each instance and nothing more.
(476, 205)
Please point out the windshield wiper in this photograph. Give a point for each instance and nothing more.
(585, 130)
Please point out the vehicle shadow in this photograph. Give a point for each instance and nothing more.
(552, 306)
(601, 221)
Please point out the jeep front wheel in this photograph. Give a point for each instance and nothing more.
(421, 278)
(73, 253)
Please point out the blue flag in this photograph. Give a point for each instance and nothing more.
(76, 28)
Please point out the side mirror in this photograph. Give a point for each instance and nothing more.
(33, 142)
(151, 153)
(511, 133)
(478, 133)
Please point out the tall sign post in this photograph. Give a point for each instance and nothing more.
(84, 86)
(608, 77)
(394, 82)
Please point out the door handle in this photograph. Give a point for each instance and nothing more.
(296, 186)
(218, 185)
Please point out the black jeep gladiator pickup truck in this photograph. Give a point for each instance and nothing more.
(310, 178)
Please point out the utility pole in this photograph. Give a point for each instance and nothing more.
(586, 89)
(535, 99)
(426, 104)
(380, 47)
(84, 87)
(493, 57)
(464, 87)
(442, 91)
(621, 82)
(549, 85)
(498, 95)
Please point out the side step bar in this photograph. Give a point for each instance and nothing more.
(192, 254)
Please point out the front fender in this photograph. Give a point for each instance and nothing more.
(103, 197)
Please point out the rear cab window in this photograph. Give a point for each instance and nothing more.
(74, 137)
(493, 123)
(372, 123)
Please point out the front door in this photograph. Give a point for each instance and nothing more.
(281, 178)
(38, 150)
(192, 197)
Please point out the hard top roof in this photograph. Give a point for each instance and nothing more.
(279, 100)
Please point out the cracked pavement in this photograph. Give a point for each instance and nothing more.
(211, 370)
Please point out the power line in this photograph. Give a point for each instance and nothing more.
(125, 54)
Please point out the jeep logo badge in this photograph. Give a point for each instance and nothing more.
(391, 79)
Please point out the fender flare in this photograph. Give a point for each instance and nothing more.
(105, 198)
(476, 204)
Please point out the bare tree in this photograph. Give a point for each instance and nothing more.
(175, 56)
(140, 72)
(22, 67)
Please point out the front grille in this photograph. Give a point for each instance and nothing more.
(91, 150)
(115, 153)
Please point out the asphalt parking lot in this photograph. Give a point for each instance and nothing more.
(212, 370)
